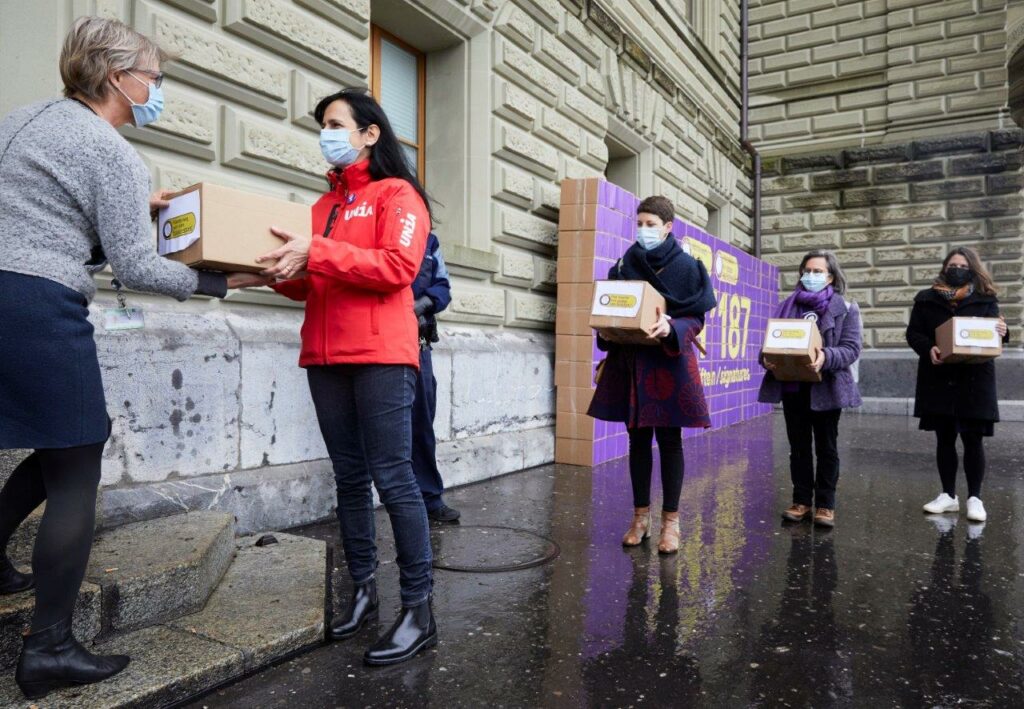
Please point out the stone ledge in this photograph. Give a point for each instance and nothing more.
(1009, 411)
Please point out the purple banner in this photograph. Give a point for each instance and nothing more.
(747, 290)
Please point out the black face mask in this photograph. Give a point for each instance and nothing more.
(957, 277)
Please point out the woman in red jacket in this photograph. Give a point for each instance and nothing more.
(360, 348)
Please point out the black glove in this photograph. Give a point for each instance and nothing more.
(423, 306)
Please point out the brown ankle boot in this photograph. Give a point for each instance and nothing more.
(669, 541)
(640, 529)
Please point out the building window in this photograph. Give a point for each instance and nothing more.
(398, 81)
(623, 167)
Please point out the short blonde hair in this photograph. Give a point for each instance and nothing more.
(95, 47)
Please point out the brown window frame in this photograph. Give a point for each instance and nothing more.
(377, 35)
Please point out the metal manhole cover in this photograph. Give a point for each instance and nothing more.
(482, 550)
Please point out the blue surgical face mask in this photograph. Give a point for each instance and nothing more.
(649, 236)
(814, 282)
(145, 113)
(337, 148)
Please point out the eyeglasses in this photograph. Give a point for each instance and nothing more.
(157, 76)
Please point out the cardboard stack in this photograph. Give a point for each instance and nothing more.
(574, 340)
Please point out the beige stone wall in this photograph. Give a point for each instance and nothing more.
(519, 96)
(886, 138)
(824, 72)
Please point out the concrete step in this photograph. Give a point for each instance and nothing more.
(269, 604)
(19, 549)
(159, 570)
(16, 616)
(138, 575)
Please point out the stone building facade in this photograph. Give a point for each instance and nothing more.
(886, 136)
(209, 407)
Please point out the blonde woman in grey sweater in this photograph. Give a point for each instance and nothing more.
(75, 198)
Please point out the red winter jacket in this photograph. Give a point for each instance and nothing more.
(368, 243)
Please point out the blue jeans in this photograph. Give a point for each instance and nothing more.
(424, 445)
(365, 417)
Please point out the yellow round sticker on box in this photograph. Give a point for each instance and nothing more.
(985, 335)
(611, 300)
(788, 334)
(181, 225)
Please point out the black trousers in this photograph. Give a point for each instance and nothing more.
(812, 433)
(424, 444)
(641, 460)
(946, 456)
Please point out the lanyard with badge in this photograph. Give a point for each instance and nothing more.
(122, 317)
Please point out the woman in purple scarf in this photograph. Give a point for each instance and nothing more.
(812, 410)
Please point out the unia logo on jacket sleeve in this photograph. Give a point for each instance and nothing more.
(408, 223)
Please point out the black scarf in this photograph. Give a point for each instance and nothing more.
(680, 278)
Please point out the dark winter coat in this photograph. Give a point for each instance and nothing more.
(841, 339)
(652, 385)
(431, 290)
(966, 391)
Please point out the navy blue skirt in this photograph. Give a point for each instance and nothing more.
(51, 392)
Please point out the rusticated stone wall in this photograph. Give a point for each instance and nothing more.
(209, 407)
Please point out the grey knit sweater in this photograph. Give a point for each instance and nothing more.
(74, 194)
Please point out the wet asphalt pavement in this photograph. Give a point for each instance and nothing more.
(891, 608)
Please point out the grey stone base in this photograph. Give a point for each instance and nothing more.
(892, 374)
(286, 496)
(1008, 410)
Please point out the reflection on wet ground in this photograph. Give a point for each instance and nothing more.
(892, 608)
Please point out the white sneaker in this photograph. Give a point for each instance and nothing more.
(976, 510)
(942, 504)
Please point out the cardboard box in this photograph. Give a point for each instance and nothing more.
(575, 270)
(579, 427)
(964, 340)
(574, 374)
(577, 244)
(572, 400)
(570, 321)
(791, 344)
(590, 217)
(575, 295)
(625, 311)
(570, 451)
(574, 348)
(222, 229)
(585, 191)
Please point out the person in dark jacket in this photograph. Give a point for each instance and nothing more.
(955, 399)
(656, 389)
(812, 410)
(431, 294)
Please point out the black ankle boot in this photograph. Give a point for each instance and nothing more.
(12, 580)
(52, 659)
(414, 630)
(362, 608)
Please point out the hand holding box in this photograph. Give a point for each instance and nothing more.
(793, 347)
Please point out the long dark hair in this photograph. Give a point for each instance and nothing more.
(387, 159)
(982, 280)
(838, 277)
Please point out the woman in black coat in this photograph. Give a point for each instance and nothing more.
(956, 399)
